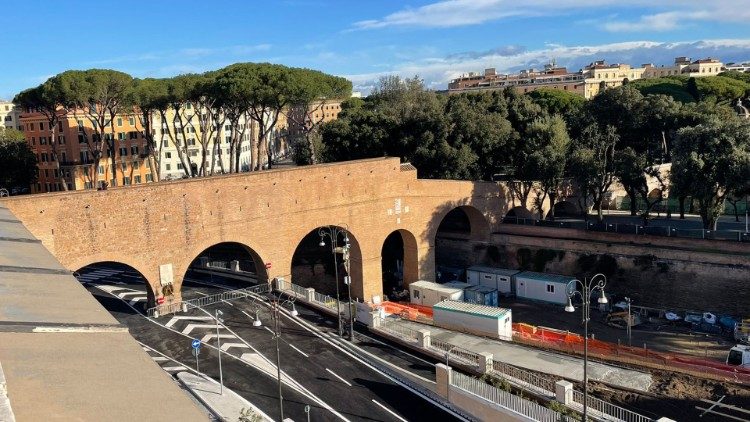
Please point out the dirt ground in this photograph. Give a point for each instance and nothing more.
(671, 395)
(660, 337)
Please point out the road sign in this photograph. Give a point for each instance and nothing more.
(160, 300)
(268, 265)
(196, 343)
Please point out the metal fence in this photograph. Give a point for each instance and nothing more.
(637, 229)
(325, 300)
(393, 327)
(605, 408)
(298, 290)
(527, 379)
(206, 300)
(507, 400)
(455, 352)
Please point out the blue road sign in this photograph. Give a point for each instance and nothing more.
(196, 343)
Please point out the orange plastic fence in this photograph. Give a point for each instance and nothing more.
(409, 311)
(573, 343)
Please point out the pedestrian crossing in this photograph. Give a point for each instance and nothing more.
(171, 366)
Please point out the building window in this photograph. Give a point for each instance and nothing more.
(101, 169)
(121, 136)
(61, 139)
(550, 288)
(167, 155)
(179, 166)
(123, 151)
(168, 167)
(194, 153)
(59, 126)
(131, 121)
(136, 165)
(88, 185)
(119, 121)
(126, 181)
(137, 179)
(42, 140)
(33, 140)
(165, 143)
(134, 150)
(149, 178)
(124, 167)
(81, 139)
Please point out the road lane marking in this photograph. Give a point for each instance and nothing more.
(269, 330)
(202, 294)
(182, 317)
(227, 346)
(390, 411)
(227, 303)
(248, 315)
(337, 376)
(208, 337)
(298, 350)
(191, 327)
(174, 368)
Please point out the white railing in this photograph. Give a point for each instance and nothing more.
(206, 300)
(507, 400)
(298, 290)
(325, 300)
(615, 413)
(392, 326)
(218, 264)
(529, 380)
(454, 352)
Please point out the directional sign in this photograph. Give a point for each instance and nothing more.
(196, 343)
(268, 265)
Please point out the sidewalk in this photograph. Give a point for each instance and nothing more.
(547, 362)
(228, 407)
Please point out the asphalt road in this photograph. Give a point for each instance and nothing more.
(334, 384)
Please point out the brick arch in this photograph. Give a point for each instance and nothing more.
(152, 283)
(355, 254)
(519, 212)
(254, 251)
(410, 257)
(479, 226)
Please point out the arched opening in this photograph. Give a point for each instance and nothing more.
(460, 241)
(566, 209)
(399, 263)
(318, 265)
(227, 265)
(116, 286)
(516, 213)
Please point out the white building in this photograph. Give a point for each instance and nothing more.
(10, 115)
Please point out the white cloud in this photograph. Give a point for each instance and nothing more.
(671, 13)
(437, 71)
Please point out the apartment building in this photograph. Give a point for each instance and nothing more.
(66, 158)
(10, 115)
(322, 111)
(587, 82)
(737, 67)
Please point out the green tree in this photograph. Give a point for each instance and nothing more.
(149, 96)
(592, 163)
(47, 100)
(555, 101)
(719, 152)
(18, 160)
(550, 142)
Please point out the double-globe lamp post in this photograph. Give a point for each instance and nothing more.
(333, 233)
(588, 286)
(275, 306)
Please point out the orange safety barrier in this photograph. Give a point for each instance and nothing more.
(573, 343)
(406, 311)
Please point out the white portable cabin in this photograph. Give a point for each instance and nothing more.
(552, 288)
(495, 278)
(475, 319)
(428, 293)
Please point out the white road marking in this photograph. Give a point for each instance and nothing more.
(174, 368)
(227, 303)
(180, 318)
(191, 327)
(390, 411)
(337, 376)
(248, 315)
(298, 350)
(269, 330)
(159, 358)
(227, 346)
(202, 294)
(136, 299)
(122, 295)
(208, 337)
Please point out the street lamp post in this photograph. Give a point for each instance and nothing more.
(627, 299)
(218, 347)
(275, 305)
(333, 233)
(588, 286)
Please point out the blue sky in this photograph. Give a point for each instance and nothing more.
(361, 40)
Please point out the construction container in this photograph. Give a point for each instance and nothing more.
(481, 295)
(428, 293)
(552, 288)
(475, 319)
(500, 279)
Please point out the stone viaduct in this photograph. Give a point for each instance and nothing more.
(159, 229)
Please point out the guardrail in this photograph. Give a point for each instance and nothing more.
(455, 352)
(507, 400)
(609, 409)
(394, 328)
(167, 308)
(637, 229)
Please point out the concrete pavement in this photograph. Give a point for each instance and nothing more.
(560, 365)
(227, 406)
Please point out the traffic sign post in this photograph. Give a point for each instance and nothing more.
(268, 265)
(196, 345)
